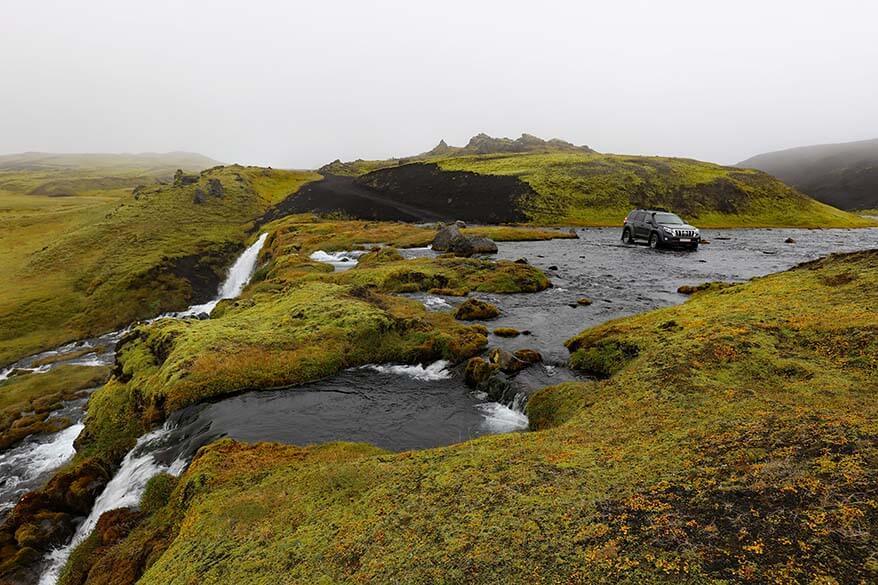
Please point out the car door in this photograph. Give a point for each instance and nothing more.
(641, 229)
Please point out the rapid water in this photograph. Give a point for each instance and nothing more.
(27, 465)
(340, 261)
(124, 490)
(236, 279)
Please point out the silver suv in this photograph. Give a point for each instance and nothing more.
(661, 229)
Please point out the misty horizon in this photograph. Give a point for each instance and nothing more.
(300, 86)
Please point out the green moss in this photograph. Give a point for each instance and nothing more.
(476, 310)
(506, 332)
(603, 358)
(555, 405)
(157, 493)
(750, 419)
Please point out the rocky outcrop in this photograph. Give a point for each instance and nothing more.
(451, 239)
(215, 188)
(181, 179)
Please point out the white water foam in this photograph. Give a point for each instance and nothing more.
(236, 279)
(435, 303)
(343, 260)
(33, 457)
(500, 418)
(124, 490)
(435, 371)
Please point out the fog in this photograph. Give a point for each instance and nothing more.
(297, 84)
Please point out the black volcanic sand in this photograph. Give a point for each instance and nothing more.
(413, 192)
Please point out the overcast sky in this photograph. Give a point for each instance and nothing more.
(297, 84)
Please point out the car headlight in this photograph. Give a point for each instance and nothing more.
(668, 230)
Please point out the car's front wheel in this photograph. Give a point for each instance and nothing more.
(627, 236)
(694, 247)
(654, 241)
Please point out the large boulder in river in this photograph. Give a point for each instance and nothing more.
(451, 239)
(444, 236)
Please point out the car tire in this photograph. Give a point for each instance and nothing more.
(627, 236)
(654, 242)
(693, 247)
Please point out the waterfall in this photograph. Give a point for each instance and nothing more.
(236, 279)
(503, 418)
(139, 465)
(124, 490)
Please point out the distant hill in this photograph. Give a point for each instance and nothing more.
(844, 175)
(529, 180)
(67, 175)
(146, 161)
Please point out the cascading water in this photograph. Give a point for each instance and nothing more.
(126, 487)
(124, 490)
(238, 277)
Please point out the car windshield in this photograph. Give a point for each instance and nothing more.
(668, 218)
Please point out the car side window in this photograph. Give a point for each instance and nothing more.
(637, 216)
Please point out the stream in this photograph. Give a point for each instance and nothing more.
(400, 407)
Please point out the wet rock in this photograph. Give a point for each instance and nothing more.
(461, 246)
(202, 316)
(522, 261)
(477, 372)
(789, 241)
(511, 363)
(506, 332)
(553, 267)
(199, 197)
(483, 245)
(528, 356)
(460, 224)
(572, 232)
(584, 302)
(476, 310)
(498, 387)
(443, 238)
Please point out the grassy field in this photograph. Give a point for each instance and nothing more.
(729, 439)
(85, 264)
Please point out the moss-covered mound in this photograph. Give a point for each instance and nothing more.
(79, 266)
(738, 445)
(476, 310)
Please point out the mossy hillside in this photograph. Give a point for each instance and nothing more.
(738, 445)
(78, 266)
(599, 189)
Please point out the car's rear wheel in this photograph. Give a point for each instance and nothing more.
(627, 236)
(654, 240)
